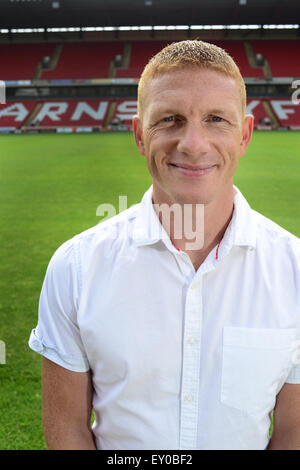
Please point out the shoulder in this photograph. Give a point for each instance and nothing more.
(274, 239)
(272, 230)
(108, 235)
(113, 229)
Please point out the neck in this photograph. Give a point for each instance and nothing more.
(197, 228)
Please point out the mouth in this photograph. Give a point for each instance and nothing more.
(193, 170)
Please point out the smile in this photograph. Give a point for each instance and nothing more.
(193, 170)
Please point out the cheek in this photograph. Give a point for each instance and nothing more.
(150, 143)
(158, 148)
(156, 158)
(229, 148)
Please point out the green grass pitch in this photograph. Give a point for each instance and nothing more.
(51, 186)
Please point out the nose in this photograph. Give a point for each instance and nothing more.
(193, 139)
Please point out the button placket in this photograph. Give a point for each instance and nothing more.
(191, 366)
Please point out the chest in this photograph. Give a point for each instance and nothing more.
(140, 314)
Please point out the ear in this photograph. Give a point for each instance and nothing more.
(247, 131)
(138, 134)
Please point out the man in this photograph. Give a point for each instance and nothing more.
(174, 342)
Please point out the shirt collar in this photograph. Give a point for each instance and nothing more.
(147, 227)
(241, 230)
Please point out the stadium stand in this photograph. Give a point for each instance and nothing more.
(283, 56)
(142, 51)
(281, 63)
(93, 60)
(239, 52)
(13, 115)
(20, 61)
(100, 113)
(84, 61)
(140, 54)
(75, 62)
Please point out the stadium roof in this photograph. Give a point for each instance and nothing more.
(116, 13)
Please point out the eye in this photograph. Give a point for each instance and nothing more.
(169, 119)
(216, 119)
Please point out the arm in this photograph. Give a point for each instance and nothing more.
(67, 408)
(286, 433)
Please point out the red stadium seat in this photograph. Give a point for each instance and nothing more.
(142, 51)
(84, 60)
(283, 56)
(236, 49)
(19, 61)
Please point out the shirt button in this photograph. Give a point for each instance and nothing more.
(37, 345)
(188, 398)
(190, 341)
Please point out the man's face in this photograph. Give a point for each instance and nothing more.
(192, 134)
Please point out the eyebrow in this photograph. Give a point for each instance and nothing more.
(217, 111)
(162, 110)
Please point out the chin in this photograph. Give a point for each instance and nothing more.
(183, 194)
(193, 198)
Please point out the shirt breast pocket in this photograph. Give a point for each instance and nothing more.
(256, 363)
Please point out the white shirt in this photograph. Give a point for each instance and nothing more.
(180, 359)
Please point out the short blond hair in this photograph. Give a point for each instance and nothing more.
(183, 54)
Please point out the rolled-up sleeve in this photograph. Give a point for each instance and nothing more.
(294, 254)
(294, 375)
(57, 334)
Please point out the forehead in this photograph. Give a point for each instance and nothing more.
(189, 88)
